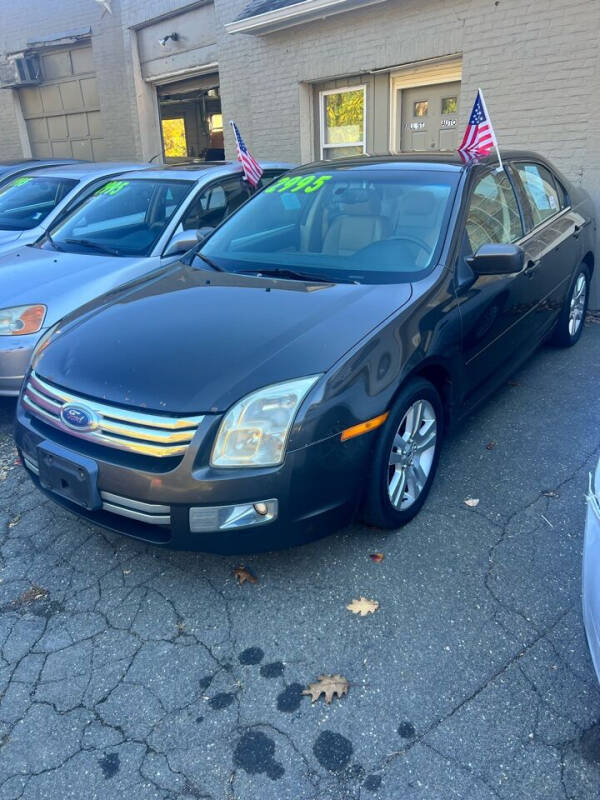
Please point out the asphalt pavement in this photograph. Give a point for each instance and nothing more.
(131, 671)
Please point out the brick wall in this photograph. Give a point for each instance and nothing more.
(538, 62)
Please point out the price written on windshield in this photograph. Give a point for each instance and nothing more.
(299, 183)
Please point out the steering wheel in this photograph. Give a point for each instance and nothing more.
(413, 240)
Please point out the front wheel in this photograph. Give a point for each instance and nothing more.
(405, 457)
(570, 322)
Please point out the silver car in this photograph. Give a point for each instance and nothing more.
(129, 226)
(591, 570)
(32, 201)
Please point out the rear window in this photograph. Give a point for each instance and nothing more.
(26, 201)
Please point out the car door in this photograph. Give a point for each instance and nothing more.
(494, 308)
(552, 240)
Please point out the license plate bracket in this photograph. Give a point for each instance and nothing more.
(69, 475)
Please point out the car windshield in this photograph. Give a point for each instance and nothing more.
(123, 217)
(26, 201)
(366, 225)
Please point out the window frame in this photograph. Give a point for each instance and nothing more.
(323, 147)
(524, 199)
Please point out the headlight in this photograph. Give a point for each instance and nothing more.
(254, 432)
(21, 320)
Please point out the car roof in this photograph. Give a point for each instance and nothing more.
(450, 161)
(202, 169)
(36, 162)
(90, 169)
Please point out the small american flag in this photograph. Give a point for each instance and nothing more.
(479, 136)
(251, 167)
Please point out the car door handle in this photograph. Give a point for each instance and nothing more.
(531, 267)
(577, 231)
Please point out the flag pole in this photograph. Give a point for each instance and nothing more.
(501, 165)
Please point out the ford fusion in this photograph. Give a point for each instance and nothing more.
(124, 228)
(300, 367)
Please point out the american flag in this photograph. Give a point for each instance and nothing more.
(251, 167)
(479, 137)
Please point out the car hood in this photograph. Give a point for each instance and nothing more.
(193, 341)
(62, 281)
(10, 236)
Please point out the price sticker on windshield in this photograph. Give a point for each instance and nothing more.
(299, 183)
(112, 187)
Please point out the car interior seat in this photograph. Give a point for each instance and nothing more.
(356, 222)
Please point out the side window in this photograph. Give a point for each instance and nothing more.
(493, 212)
(217, 201)
(540, 190)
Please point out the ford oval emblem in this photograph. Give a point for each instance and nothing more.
(78, 417)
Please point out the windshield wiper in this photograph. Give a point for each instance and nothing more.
(292, 274)
(208, 261)
(94, 246)
(52, 243)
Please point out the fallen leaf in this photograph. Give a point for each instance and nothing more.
(592, 318)
(34, 593)
(377, 557)
(243, 574)
(472, 502)
(126, 571)
(18, 462)
(490, 445)
(14, 521)
(551, 493)
(363, 606)
(329, 685)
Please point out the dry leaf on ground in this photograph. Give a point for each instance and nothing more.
(551, 493)
(490, 445)
(472, 502)
(329, 685)
(376, 557)
(243, 574)
(34, 593)
(363, 606)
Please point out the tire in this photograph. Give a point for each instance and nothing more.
(389, 503)
(569, 325)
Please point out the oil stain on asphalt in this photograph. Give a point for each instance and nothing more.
(254, 753)
(289, 700)
(333, 751)
(253, 655)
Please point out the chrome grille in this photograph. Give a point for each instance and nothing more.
(134, 431)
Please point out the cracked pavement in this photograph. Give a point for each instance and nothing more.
(132, 671)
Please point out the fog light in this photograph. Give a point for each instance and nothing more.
(204, 519)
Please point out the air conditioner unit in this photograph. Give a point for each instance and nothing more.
(21, 70)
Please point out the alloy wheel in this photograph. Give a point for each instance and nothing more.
(578, 300)
(412, 454)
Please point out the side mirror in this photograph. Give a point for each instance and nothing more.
(497, 259)
(184, 240)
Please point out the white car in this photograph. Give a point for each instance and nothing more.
(591, 570)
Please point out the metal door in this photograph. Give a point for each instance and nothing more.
(429, 115)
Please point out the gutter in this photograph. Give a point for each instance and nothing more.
(296, 14)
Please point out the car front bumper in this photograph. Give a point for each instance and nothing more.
(15, 354)
(591, 572)
(317, 490)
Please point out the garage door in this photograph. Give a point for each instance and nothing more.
(62, 113)
(429, 116)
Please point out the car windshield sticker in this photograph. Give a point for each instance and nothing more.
(299, 183)
(112, 187)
